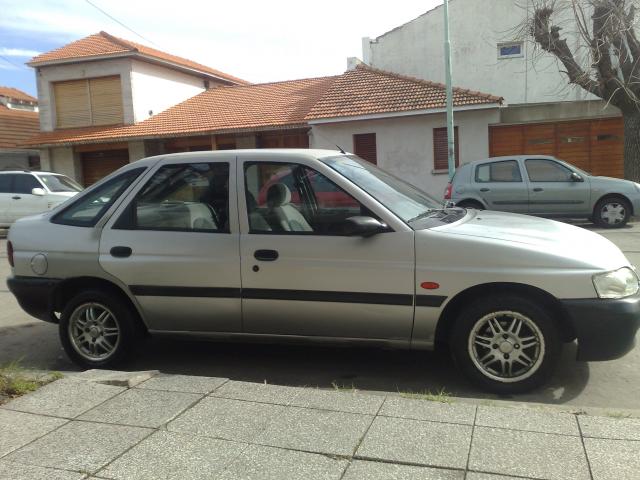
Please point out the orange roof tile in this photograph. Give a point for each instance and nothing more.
(223, 109)
(366, 91)
(104, 45)
(16, 126)
(17, 94)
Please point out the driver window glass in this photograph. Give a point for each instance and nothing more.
(25, 183)
(185, 197)
(547, 171)
(285, 198)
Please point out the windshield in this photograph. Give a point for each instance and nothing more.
(403, 199)
(60, 183)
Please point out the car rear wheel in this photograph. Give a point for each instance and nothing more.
(506, 344)
(611, 212)
(97, 329)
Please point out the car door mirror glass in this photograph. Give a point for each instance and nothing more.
(364, 226)
(576, 177)
(38, 191)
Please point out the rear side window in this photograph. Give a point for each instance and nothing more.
(86, 211)
(506, 171)
(24, 183)
(5, 183)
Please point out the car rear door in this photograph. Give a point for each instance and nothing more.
(501, 186)
(303, 277)
(174, 243)
(553, 192)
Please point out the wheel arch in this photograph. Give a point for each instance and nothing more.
(70, 287)
(473, 200)
(614, 195)
(456, 304)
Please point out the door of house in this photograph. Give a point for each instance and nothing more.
(97, 165)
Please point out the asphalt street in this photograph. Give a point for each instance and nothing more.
(610, 385)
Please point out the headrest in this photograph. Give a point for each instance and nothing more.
(278, 195)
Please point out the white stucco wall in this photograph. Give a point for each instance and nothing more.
(63, 160)
(405, 144)
(156, 88)
(56, 73)
(136, 150)
(476, 27)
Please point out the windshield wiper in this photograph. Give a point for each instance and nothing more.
(422, 215)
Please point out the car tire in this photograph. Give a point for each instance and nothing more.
(98, 329)
(470, 204)
(506, 344)
(612, 212)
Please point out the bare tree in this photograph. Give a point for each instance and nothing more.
(610, 67)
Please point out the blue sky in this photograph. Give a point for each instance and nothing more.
(256, 40)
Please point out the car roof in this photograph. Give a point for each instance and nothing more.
(510, 157)
(29, 171)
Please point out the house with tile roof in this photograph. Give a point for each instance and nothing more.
(92, 124)
(18, 122)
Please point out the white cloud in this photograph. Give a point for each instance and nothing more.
(18, 52)
(252, 39)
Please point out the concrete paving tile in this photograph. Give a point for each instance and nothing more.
(116, 377)
(528, 419)
(142, 408)
(419, 409)
(341, 401)
(613, 459)
(606, 427)
(363, 470)
(416, 441)
(490, 476)
(65, 398)
(312, 430)
(17, 471)
(17, 429)
(183, 383)
(226, 418)
(538, 455)
(80, 446)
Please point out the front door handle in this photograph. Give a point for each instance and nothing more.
(266, 255)
(538, 189)
(121, 252)
(16, 197)
(484, 189)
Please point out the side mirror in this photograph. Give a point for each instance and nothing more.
(38, 191)
(364, 226)
(576, 177)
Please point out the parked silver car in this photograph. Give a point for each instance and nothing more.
(317, 246)
(543, 186)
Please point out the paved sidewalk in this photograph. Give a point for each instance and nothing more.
(130, 426)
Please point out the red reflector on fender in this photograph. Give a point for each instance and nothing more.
(430, 285)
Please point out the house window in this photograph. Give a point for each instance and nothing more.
(441, 149)
(364, 145)
(510, 50)
(93, 101)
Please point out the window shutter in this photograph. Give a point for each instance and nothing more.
(72, 104)
(441, 149)
(106, 100)
(364, 145)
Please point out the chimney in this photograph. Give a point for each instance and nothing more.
(353, 62)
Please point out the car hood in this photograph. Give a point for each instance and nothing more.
(556, 239)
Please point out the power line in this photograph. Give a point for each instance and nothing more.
(119, 22)
(10, 62)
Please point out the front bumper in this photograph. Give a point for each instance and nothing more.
(35, 295)
(605, 328)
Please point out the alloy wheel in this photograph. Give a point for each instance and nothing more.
(94, 331)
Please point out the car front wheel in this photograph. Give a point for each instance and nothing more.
(612, 212)
(97, 329)
(506, 344)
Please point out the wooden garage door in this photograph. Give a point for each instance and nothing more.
(593, 145)
(96, 165)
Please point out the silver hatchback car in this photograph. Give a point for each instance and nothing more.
(543, 186)
(317, 246)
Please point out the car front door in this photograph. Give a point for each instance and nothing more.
(501, 186)
(6, 202)
(552, 191)
(24, 202)
(174, 243)
(301, 275)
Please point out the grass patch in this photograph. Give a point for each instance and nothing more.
(16, 380)
(340, 387)
(618, 415)
(441, 396)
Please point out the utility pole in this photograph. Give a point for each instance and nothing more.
(451, 150)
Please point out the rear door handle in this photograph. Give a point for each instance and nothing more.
(266, 255)
(484, 190)
(16, 197)
(538, 189)
(121, 252)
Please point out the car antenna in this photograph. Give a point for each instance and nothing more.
(340, 148)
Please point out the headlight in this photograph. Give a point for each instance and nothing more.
(617, 284)
(637, 186)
